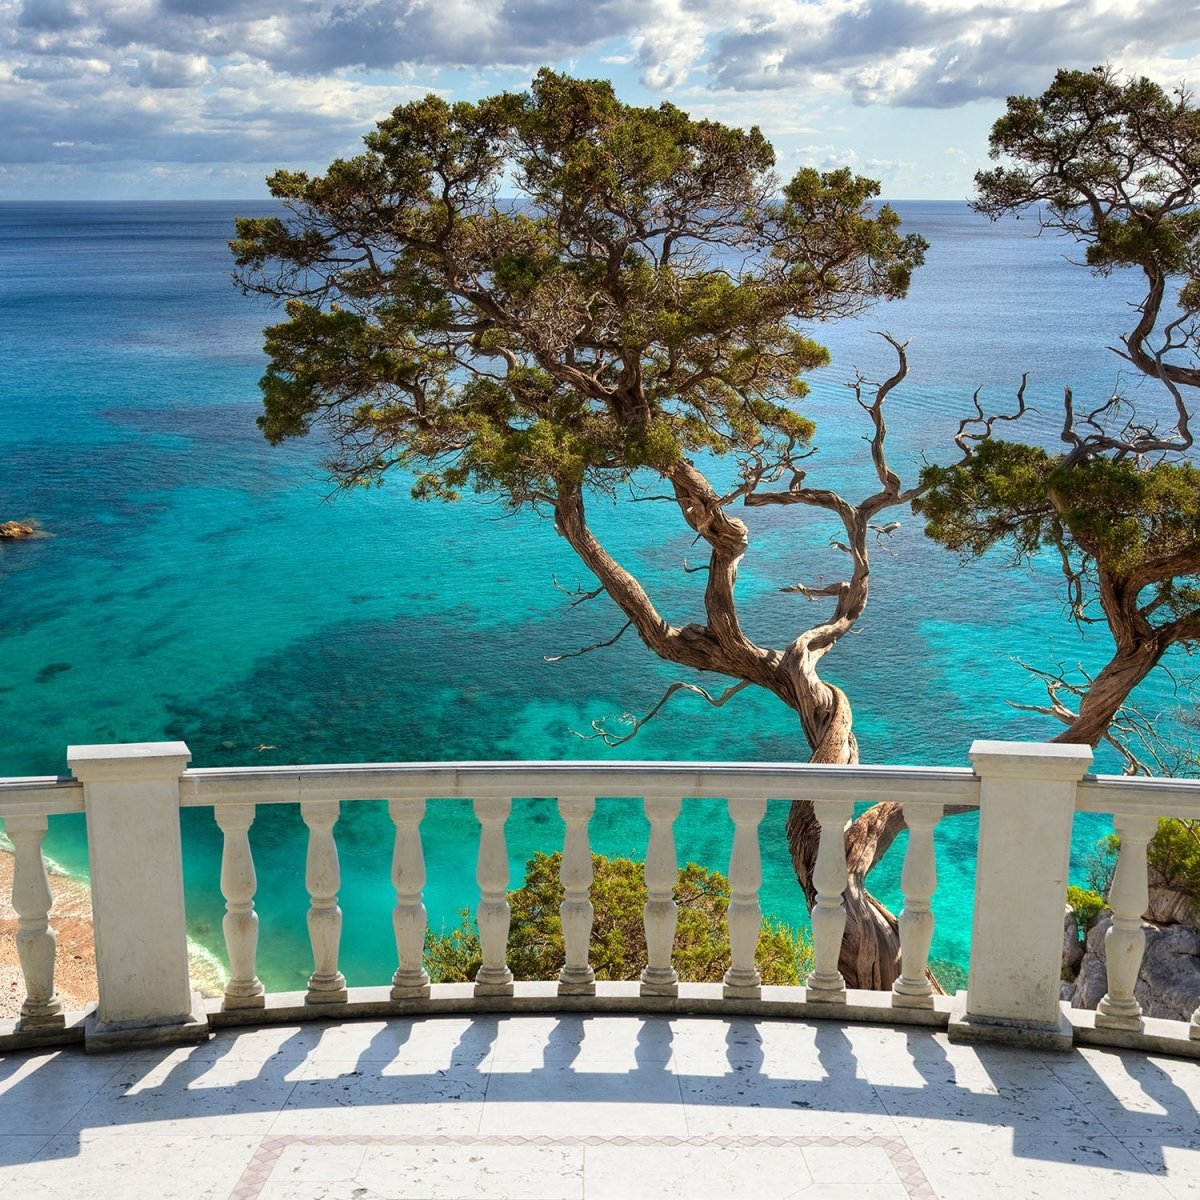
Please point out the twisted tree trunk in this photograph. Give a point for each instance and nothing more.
(870, 956)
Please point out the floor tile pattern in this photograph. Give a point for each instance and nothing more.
(596, 1108)
(260, 1170)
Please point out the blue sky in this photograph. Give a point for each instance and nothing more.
(202, 98)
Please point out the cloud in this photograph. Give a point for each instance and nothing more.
(244, 81)
(940, 53)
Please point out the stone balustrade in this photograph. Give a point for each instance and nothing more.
(1027, 794)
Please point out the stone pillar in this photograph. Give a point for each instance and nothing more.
(131, 799)
(1026, 806)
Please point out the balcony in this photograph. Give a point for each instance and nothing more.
(574, 1087)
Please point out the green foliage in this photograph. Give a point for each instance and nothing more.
(1174, 857)
(618, 947)
(1102, 864)
(1115, 161)
(951, 977)
(1125, 517)
(1086, 904)
(640, 304)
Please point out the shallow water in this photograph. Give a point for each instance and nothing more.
(198, 584)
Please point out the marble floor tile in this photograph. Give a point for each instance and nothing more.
(341, 1189)
(1033, 1168)
(317, 1162)
(747, 1103)
(140, 1166)
(440, 1041)
(850, 1164)
(17, 1151)
(690, 1172)
(190, 1096)
(1177, 1168)
(1135, 1095)
(598, 1098)
(954, 1111)
(527, 1172)
(851, 1191)
(382, 1098)
(42, 1092)
(583, 1039)
(262, 1044)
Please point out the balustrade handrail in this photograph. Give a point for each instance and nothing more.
(1152, 796)
(204, 786)
(40, 795)
(1027, 793)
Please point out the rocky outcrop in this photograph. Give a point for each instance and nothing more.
(1072, 946)
(1169, 982)
(12, 530)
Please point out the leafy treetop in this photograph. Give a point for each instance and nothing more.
(638, 304)
(1114, 163)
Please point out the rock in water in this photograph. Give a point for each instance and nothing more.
(1168, 982)
(11, 530)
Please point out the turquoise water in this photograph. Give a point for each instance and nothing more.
(199, 584)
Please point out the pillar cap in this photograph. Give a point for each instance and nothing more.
(1059, 761)
(129, 760)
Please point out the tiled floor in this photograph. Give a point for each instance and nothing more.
(595, 1108)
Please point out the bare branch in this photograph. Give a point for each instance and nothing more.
(577, 594)
(968, 428)
(812, 593)
(612, 641)
(612, 739)
(1129, 727)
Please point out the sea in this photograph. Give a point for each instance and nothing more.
(195, 583)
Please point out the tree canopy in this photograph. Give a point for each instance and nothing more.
(637, 303)
(641, 306)
(1115, 164)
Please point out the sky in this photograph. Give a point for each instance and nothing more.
(201, 99)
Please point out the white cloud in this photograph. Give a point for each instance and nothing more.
(941, 53)
(233, 81)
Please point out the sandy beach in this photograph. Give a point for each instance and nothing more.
(75, 963)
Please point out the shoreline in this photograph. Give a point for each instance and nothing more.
(75, 959)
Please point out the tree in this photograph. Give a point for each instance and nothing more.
(618, 949)
(1114, 164)
(637, 314)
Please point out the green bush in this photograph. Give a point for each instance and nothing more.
(1173, 855)
(1086, 904)
(618, 947)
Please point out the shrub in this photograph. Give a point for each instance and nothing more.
(618, 947)
(1086, 904)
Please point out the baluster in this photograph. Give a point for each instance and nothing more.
(36, 941)
(240, 924)
(410, 982)
(917, 881)
(576, 977)
(826, 985)
(660, 914)
(744, 917)
(494, 977)
(326, 985)
(1195, 1025)
(1125, 941)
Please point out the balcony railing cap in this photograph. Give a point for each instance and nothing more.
(130, 760)
(1059, 761)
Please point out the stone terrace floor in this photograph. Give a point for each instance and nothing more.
(595, 1107)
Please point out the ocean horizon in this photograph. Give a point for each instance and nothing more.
(198, 584)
